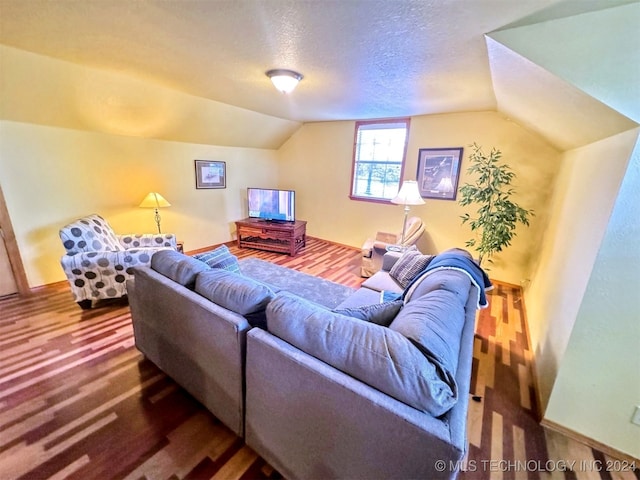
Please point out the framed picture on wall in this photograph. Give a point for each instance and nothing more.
(439, 172)
(211, 174)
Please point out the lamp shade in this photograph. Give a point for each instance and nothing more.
(408, 194)
(154, 200)
(284, 80)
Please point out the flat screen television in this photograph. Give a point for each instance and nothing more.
(271, 204)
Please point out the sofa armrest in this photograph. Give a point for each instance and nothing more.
(367, 248)
(198, 343)
(387, 238)
(355, 431)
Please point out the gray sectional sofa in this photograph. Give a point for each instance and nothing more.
(366, 383)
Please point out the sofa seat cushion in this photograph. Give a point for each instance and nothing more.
(362, 296)
(178, 267)
(378, 356)
(434, 323)
(237, 293)
(382, 281)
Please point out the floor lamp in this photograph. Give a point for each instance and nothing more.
(408, 195)
(156, 201)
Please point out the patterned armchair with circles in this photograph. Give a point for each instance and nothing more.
(98, 262)
(374, 248)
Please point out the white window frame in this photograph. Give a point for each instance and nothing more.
(390, 156)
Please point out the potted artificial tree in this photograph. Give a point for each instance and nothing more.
(497, 215)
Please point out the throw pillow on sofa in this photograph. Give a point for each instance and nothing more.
(237, 293)
(378, 356)
(178, 267)
(409, 265)
(219, 257)
(378, 313)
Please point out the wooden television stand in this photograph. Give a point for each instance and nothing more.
(285, 237)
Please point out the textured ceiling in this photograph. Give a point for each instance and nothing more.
(360, 58)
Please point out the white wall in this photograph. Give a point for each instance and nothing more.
(76, 140)
(44, 162)
(317, 162)
(51, 176)
(586, 189)
(605, 63)
(581, 315)
(598, 383)
(46, 91)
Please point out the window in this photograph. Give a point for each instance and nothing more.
(378, 159)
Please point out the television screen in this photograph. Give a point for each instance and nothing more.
(271, 204)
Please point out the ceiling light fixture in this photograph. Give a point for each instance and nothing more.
(284, 80)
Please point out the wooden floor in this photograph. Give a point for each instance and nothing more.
(77, 400)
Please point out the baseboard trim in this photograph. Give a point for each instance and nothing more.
(234, 242)
(506, 284)
(351, 247)
(534, 370)
(209, 247)
(590, 442)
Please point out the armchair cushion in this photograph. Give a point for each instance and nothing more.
(415, 228)
(89, 234)
(98, 275)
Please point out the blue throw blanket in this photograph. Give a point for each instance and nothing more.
(455, 261)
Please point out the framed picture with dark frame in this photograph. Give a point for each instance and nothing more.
(439, 172)
(211, 174)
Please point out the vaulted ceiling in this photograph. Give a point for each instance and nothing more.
(360, 58)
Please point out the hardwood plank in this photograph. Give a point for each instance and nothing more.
(78, 401)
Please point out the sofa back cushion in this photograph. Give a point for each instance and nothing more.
(237, 293)
(178, 267)
(378, 356)
(433, 323)
(453, 281)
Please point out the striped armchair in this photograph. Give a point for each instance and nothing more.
(374, 248)
(98, 262)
